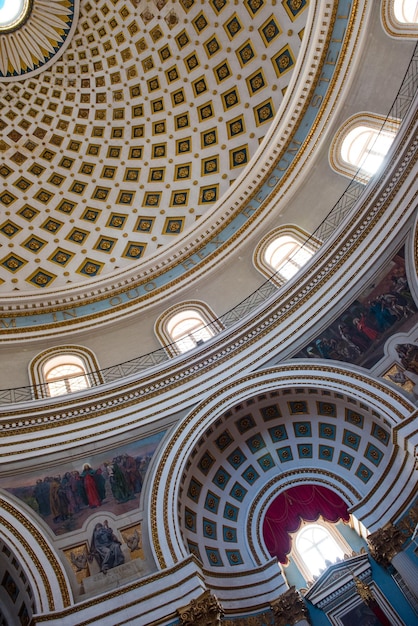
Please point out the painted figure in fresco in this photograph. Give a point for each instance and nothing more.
(408, 355)
(382, 316)
(133, 478)
(88, 476)
(58, 500)
(362, 326)
(347, 337)
(41, 495)
(67, 484)
(106, 548)
(118, 482)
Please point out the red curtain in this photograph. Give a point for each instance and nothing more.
(286, 512)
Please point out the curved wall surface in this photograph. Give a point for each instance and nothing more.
(130, 501)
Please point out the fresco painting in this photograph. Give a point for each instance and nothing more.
(66, 496)
(358, 335)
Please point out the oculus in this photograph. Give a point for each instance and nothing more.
(13, 13)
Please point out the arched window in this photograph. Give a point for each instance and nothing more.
(63, 370)
(361, 144)
(282, 252)
(185, 326)
(400, 18)
(64, 374)
(317, 547)
(406, 11)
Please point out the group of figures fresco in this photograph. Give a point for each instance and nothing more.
(358, 335)
(64, 496)
(67, 497)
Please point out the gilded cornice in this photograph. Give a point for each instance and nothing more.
(76, 416)
(287, 318)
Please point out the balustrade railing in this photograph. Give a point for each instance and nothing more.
(248, 305)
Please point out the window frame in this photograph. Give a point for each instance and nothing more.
(296, 556)
(69, 355)
(372, 121)
(200, 309)
(394, 27)
(301, 239)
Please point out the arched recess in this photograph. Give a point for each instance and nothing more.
(400, 18)
(362, 137)
(297, 423)
(283, 251)
(37, 557)
(186, 325)
(81, 361)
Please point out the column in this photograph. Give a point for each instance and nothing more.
(290, 609)
(386, 548)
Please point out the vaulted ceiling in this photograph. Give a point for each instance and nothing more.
(127, 122)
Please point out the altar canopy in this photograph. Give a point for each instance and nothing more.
(302, 503)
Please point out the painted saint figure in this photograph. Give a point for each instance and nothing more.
(90, 486)
(105, 547)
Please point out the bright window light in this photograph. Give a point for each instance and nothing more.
(286, 256)
(66, 378)
(406, 11)
(188, 329)
(366, 147)
(11, 12)
(316, 546)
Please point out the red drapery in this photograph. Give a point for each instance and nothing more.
(304, 502)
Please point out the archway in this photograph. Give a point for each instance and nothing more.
(287, 427)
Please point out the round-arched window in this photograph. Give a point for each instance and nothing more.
(188, 329)
(65, 374)
(406, 11)
(13, 13)
(317, 547)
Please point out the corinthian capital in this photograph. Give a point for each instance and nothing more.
(202, 611)
(385, 543)
(289, 608)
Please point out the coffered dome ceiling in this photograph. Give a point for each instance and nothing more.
(125, 121)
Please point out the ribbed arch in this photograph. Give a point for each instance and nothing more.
(289, 426)
(37, 558)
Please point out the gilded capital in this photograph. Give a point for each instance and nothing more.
(385, 543)
(202, 611)
(289, 608)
